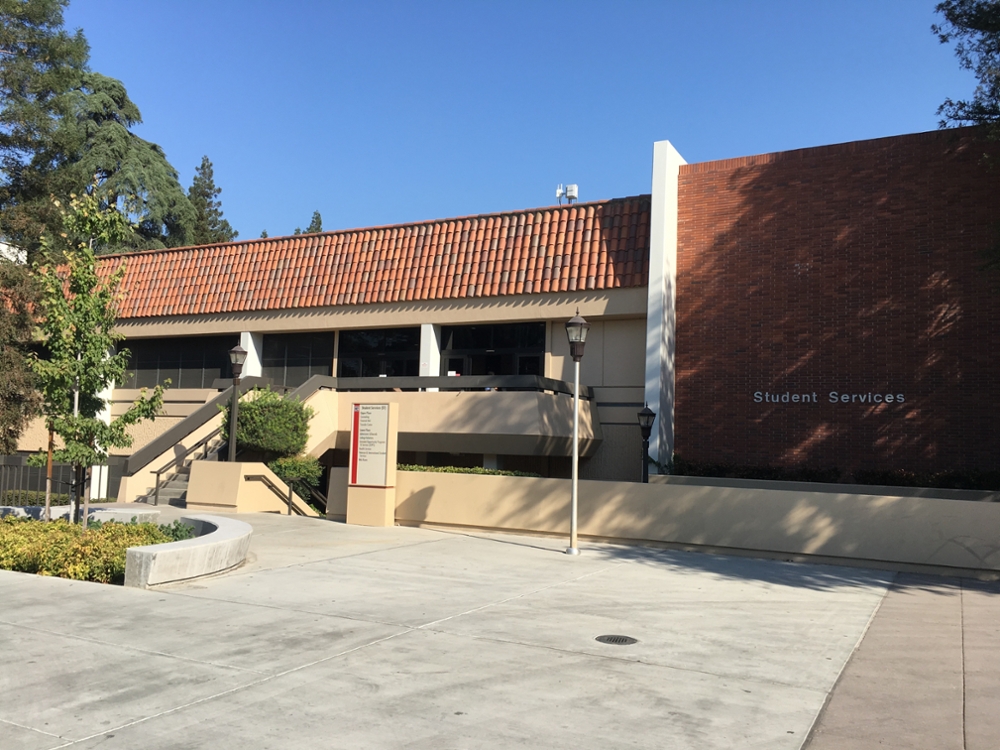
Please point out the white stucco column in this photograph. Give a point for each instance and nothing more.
(430, 350)
(99, 474)
(661, 302)
(254, 344)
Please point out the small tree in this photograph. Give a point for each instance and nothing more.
(77, 313)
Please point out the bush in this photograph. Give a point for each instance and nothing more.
(59, 548)
(270, 424)
(24, 498)
(298, 470)
(465, 470)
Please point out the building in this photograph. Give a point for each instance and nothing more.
(826, 308)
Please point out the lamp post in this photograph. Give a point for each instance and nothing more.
(646, 417)
(237, 356)
(576, 332)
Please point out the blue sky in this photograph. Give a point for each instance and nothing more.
(385, 112)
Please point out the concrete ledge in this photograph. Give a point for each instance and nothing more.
(222, 543)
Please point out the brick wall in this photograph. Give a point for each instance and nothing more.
(855, 269)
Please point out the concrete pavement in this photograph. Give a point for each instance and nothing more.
(334, 636)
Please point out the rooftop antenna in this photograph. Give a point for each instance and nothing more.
(569, 192)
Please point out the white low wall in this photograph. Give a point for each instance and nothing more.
(222, 543)
(922, 531)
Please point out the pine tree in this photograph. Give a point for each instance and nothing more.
(316, 225)
(65, 130)
(209, 226)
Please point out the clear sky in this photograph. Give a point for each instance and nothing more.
(385, 112)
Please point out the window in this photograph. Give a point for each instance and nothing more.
(192, 362)
(290, 359)
(393, 352)
(508, 349)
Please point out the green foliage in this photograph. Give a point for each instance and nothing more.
(297, 470)
(64, 128)
(316, 225)
(974, 27)
(270, 424)
(29, 498)
(177, 531)
(58, 548)
(209, 226)
(465, 470)
(78, 312)
(19, 399)
(263, 235)
(41, 65)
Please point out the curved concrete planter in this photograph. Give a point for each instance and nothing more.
(221, 544)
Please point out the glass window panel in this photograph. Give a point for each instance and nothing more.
(171, 373)
(190, 377)
(277, 374)
(296, 376)
(529, 365)
(349, 367)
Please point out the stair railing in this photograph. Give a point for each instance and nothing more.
(204, 442)
(266, 481)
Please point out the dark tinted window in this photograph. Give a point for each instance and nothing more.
(290, 359)
(192, 362)
(393, 352)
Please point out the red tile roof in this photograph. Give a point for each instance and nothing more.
(600, 245)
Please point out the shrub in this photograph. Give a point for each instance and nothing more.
(270, 424)
(304, 471)
(465, 470)
(59, 548)
(24, 498)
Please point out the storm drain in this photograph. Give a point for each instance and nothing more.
(616, 640)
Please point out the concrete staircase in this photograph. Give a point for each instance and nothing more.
(173, 490)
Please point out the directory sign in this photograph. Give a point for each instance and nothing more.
(369, 445)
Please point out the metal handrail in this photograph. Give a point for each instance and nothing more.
(166, 467)
(317, 495)
(266, 481)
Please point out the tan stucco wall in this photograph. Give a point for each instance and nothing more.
(220, 486)
(510, 309)
(922, 531)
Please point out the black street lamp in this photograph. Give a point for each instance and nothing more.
(237, 356)
(576, 332)
(646, 417)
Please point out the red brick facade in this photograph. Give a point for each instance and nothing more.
(856, 269)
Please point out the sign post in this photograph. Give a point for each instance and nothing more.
(371, 481)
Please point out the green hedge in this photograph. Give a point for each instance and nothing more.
(25, 498)
(59, 548)
(269, 424)
(465, 470)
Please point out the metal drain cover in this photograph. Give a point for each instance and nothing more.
(616, 640)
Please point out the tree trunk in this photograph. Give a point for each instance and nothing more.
(48, 477)
(84, 473)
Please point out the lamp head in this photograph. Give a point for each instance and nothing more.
(646, 418)
(237, 356)
(576, 332)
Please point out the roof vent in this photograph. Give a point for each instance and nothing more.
(570, 193)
